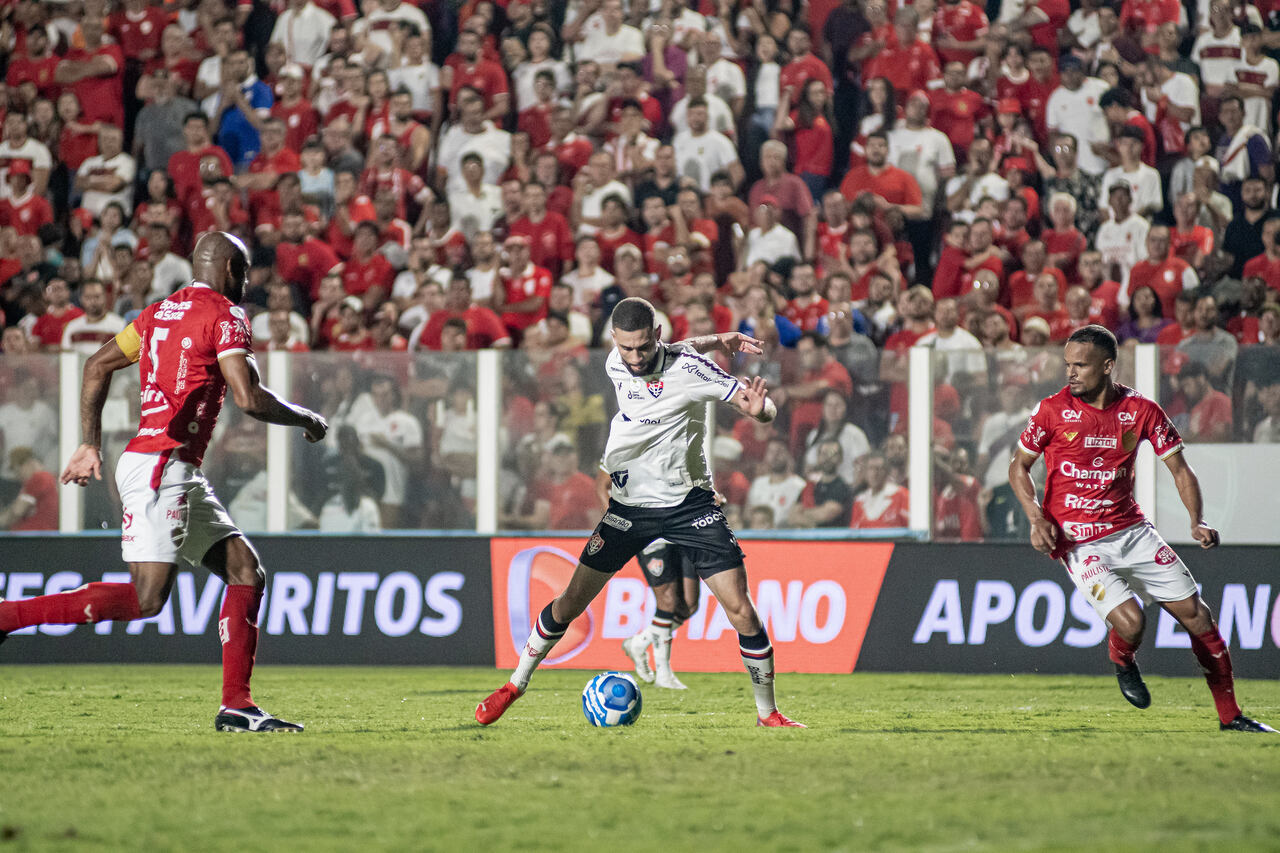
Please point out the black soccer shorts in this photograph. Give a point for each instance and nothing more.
(664, 564)
(696, 525)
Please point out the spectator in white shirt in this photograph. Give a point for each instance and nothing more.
(473, 133)
(1143, 181)
(303, 28)
(779, 487)
(701, 152)
(477, 205)
(770, 241)
(608, 41)
(1073, 108)
(107, 176)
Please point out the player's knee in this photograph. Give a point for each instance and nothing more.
(246, 570)
(151, 602)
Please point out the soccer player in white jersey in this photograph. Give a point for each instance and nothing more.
(661, 488)
(1089, 433)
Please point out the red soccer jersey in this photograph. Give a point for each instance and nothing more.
(610, 244)
(1022, 287)
(177, 343)
(101, 98)
(485, 75)
(550, 241)
(200, 213)
(1089, 454)
(1060, 325)
(184, 169)
(401, 183)
(1184, 243)
(908, 68)
(41, 489)
(956, 114)
(1165, 277)
(655, 246)
(1264, 268)
(305, 264)
(74, 148)
(1070, 243)
(797, 72)
(359, 276)
(1034, 97)
(483, 328)
(1147, 15)
(891, 183)
(536, 121)
(891, 507)
(812, 146)
(533, 282)
(955, 513)
(301, 122)
(49, 326)
(807, 317)
(1103, 304)
(573, 152)
(26, 215)
(23, 69)
(963, 21)
(574, 504)
(832, 246)
(281, 162)
(1046, 34)
(136, 33)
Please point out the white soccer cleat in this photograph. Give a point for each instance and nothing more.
(637, 648)
(668, 680)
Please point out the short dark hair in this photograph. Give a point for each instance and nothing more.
(1193, 369)
(1099, 336)
(455, 323)
(633, 314)
(1115, 97)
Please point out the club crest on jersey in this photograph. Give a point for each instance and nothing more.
(595, 543)
(654, 387)
(1071, 436)
(619, 478)
(655, 567)
(1128, 439)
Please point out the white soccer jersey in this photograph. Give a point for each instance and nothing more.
(654, 455)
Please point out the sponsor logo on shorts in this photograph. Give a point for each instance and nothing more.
(616, 521)
(708, 520)
(1095, 572)
(619, 478)
(1098, 592)
(1166, 557)
(655, 566)
(1099, 441)
(595, 543)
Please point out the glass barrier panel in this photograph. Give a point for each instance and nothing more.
(1216, 390)
(400, 453)
(29, 453)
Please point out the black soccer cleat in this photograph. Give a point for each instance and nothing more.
(1245, 724)
(252, 719)
(1132, 685)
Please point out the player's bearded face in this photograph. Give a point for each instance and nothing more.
(637, 349)
(1087, 370)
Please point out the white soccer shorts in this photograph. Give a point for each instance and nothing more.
(1135, 561)
(170, 510)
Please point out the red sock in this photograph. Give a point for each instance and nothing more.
(238, 630)
(93, 602)
(1211, 650)
(1119, 649)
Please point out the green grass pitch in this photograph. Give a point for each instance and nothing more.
(103, 757)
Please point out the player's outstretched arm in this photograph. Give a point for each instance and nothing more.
(728, 343)
(1044, 534)
(86, 463)
(752, 400)
(1189, 490)
(258, 401)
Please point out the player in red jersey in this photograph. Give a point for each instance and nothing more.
(190, 348)
(1089, 433)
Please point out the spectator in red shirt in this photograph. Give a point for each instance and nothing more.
(955, 498)
(300, 258)
(550, 240)
(1022, 284)
(1048, 307)
(469, 69)
(36, 66)
(811, 137)
(535, 119)
(1189, 240)
(908, 63)
(96, 72)
(23, 210)
(1265, 266)
(484, 329)
(57, 314)
(36, 506)
(893, 188)
(950, 279)
(821, 372)
(367, 274)
(1117, 106)
(1034, 92)
(184, 167)
(1210, 417)
(562, 497)
(137, 27)
(274, 160)
(301, 121)
(794, 200)
(522, 298)
(1104, 306)
(956, 109)
(807, 309)
(802, 67)
(1063, 241)
(351, 334)
(1168, 274)
(958, 30)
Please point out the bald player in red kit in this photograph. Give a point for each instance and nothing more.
(1089, 433)
(190, 349)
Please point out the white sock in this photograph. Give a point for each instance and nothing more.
(757, 657)
(545, 634)
(661, 635)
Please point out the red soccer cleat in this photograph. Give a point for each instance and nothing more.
(495, 706)
(777, 721)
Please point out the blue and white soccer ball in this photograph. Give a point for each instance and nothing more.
(611, 699)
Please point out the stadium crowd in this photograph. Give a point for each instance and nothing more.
(843, 180)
